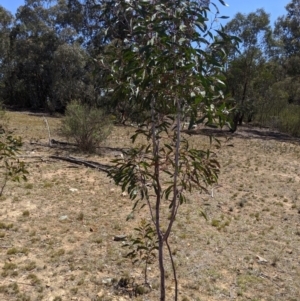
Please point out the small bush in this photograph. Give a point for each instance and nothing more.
(87, 125)
(26, 213)
(289, 120)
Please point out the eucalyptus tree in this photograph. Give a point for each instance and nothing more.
(244, 65)
(41, 34)
(72, 79)
(169, 62)
(33, 42)
(6, 23)
(287, 30)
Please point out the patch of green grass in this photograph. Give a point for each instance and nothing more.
(80, 216)
(9, 269)
(48, 185)
(6, 226)
(9, 266)
(14, 251)
(98, 240)
(213, 274)
(26, 213)
(34, 280)
(58, 253)
(246, 280)
(30, 266)
(74, 290)
(16, 199)
(215, 223)
(11, 289)
(219, 224)
(23, 297)
(32, 233)
(255, 215)
(242, 203)
(80, 282)
(28, 186)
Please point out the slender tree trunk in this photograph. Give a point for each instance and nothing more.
(159, 234)
(161, 268)
(155, 141)
(174, 271)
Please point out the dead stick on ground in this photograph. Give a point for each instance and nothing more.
(99, 166)
(48, 128)
(11, 280)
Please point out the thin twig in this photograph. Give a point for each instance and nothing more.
(48, 128)
(4, 183)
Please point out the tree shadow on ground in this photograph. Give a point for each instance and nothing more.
(246, 132)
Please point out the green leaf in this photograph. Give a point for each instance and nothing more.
(223, 3)
(203, 214)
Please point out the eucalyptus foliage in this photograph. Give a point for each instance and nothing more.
(169, 65)
(143, 246)
(12, 169)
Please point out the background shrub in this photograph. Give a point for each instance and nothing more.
(289, 120)
(87, 125)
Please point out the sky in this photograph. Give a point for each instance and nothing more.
(274, 7)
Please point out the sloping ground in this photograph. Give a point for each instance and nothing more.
(57, 230)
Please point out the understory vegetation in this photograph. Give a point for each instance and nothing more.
(87, 125)
(11, 167)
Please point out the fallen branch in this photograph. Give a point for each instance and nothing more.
(62, 143)
(31, 157)
(19, 282)
(96, 165)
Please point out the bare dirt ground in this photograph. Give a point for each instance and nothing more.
(57, 229)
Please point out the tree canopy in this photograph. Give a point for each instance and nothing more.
(53, 52)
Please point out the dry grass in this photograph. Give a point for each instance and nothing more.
(56, 243)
